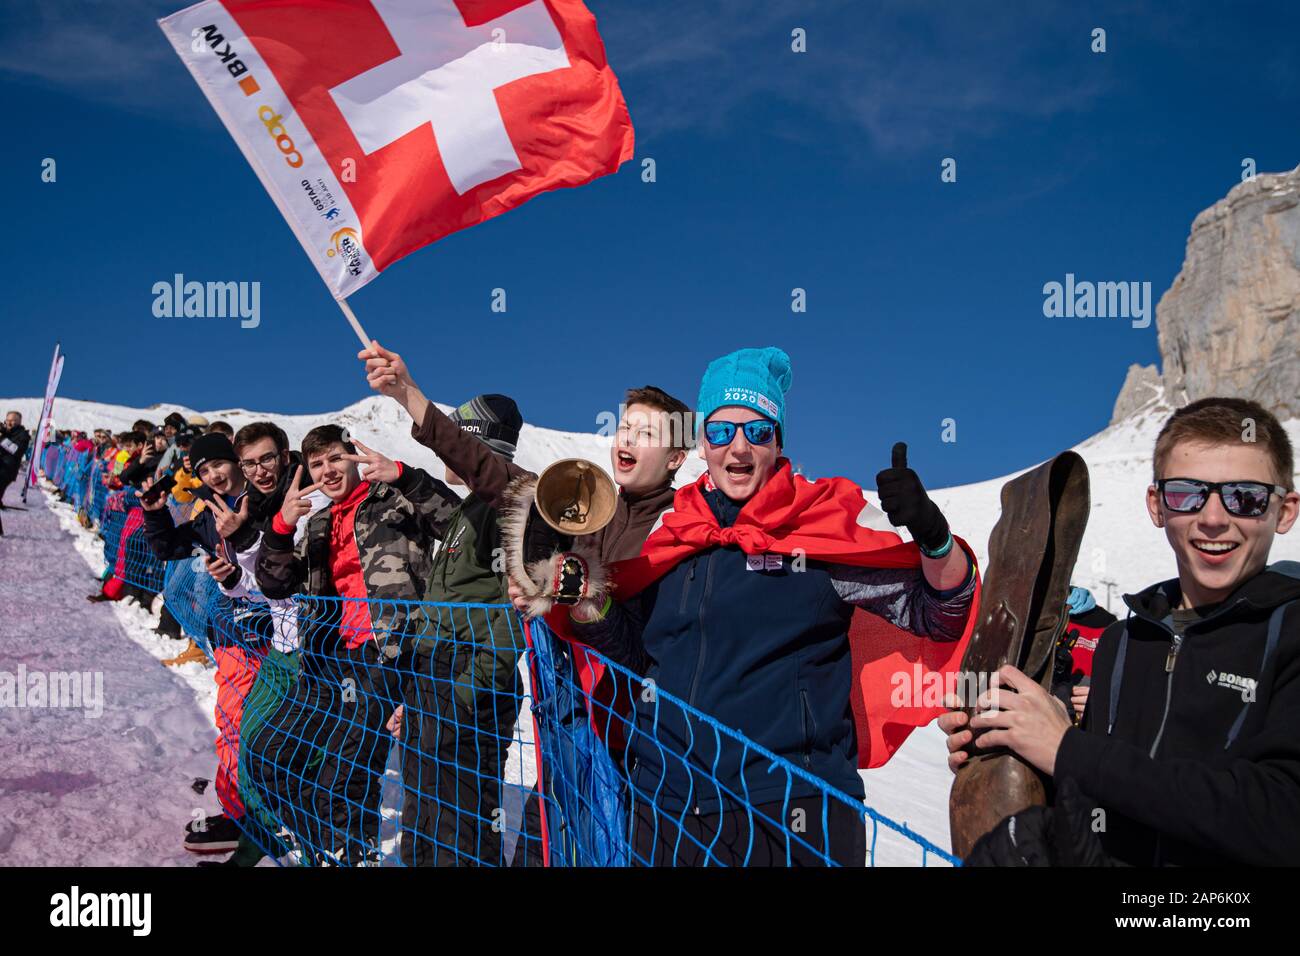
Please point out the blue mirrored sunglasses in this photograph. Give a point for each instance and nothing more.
(760, 431)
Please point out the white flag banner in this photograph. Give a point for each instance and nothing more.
(266, 127)
(47, 409)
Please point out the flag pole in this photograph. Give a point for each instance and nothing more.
(352, 320)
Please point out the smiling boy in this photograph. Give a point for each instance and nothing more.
(1188, 744)
(373, 549)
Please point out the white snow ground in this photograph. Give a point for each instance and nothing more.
(1121, 552)
(106, 782)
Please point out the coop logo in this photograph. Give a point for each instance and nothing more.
(74, 908)
(274, 124)
(1245, 686)
(346, 244)
(219, 45)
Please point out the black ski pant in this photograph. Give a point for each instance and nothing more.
(727, 837)
(168, 626)
(453, 762)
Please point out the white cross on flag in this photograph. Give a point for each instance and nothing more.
(379, 126)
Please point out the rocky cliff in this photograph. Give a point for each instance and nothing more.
(1230, 324)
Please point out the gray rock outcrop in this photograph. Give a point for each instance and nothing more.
(1230, 323)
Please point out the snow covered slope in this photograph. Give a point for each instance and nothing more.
(377, 421)
(1121, 546)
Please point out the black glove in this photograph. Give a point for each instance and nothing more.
(903, 498)
(1059, 835)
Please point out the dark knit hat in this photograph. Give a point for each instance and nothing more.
(212, 446)
(493, 419)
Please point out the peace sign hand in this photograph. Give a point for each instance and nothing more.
(296, 502)
(378, 468)
(228, 522)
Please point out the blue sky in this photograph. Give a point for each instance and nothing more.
(775, 170)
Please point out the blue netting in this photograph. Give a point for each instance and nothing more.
(506, 754)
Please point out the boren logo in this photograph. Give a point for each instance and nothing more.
(274, 124)
(348, 245)
(1246, 686)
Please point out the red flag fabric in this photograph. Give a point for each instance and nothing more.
(820, 520)
(379, 126)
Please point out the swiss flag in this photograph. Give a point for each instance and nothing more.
(428, 115)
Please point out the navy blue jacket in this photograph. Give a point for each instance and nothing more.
(763, 650)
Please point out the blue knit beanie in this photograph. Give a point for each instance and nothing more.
(753, 378)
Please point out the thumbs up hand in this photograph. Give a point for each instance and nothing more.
(904, 501)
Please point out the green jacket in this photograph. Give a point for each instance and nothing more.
(482, 644)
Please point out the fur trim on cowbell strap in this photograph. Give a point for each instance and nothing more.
(525, 536)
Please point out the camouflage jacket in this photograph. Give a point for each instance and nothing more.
(396, 528)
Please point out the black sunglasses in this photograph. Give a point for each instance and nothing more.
(1245, 499)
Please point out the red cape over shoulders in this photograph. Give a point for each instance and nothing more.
(899, 676)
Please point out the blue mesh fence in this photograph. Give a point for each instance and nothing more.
(419, 733)
(190, 594)
(52, 462)
(75, 478)
(98, 491)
